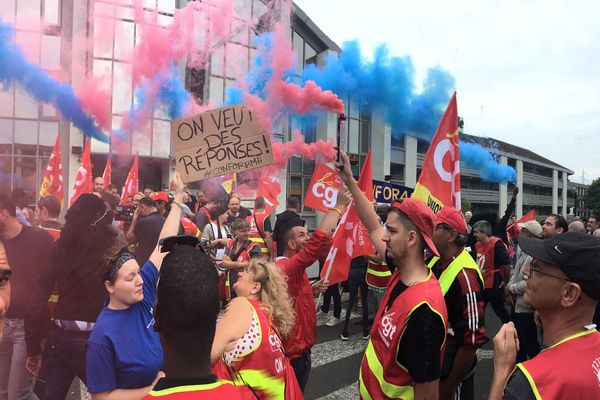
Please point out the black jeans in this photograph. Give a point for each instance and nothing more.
(529, 346)
(332, 292)
(301, 366)
(497, 299)
(357, 281)
(63, 359)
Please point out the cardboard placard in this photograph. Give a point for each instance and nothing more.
(323, 188)
(218, 142)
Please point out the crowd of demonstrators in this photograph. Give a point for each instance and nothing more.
(215, 237)
(248, 348)
(261, 231)
(298, 252)
(462, 285)
(522, 316)
(404, 354)
(26, 249)
(124, 357)
(563, 286)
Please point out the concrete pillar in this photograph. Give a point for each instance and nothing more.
(554, 191)
(502, 190)
(565, 186)
(381, 145)
(410, 165)
(519, 205)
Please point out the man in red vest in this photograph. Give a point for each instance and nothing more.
(404, 355)
(494, 263)
(260, 227)
(563, 285)
(300, 251)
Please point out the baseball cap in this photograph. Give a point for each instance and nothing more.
(577, 254)
(532, 227)
(453, 218)
(421, 215)
(160, 196)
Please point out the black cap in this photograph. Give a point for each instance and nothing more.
(575, 253)
(285, 221)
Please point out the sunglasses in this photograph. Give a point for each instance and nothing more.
(167, 244)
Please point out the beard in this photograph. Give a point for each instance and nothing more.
(390, 261)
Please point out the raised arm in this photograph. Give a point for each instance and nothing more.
(364, 208)
(171, 225)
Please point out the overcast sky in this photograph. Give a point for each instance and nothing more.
(527, 72)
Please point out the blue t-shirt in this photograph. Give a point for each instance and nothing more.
(124, 351)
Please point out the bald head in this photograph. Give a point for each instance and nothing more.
(99, 184)
(577, 226)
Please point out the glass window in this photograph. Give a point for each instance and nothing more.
(161, 143)
(30, 43)
(166, 6)
(103, 37)
(141, 140)
(5, 174)
(103, 9)
(26, 132)
(6, 102)
(6, 131)
(298, 44)
(365, 137)
(353, 136)
(122, 90)
(237, 60)
(48, 110)
(25, 172)
(310, 54)
(52, 12)
(28, 14)
(217, 61)
(25, 105)
(125, 13)
(296, 187)
(216, 90)
(296, 165)
(7, 10)
(123, 39)
(48, 132)
(50, 58)
(242, 8)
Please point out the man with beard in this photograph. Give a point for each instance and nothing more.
(404, 355)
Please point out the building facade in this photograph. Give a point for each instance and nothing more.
(75, 39)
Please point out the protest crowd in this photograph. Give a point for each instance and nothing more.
(192, 295)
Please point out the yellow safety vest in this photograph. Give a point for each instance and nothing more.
(464, 260)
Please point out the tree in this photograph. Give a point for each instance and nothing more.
(591, 199)
(465, 205)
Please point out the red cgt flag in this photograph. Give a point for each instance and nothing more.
(323, 189)
(132, 182)
(106, 176)
(52, 182)
(513, 229)
(439, 182)
(83, 181)
(351, 238)
(269, 188)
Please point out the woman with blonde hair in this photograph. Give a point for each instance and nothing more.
(247, 348)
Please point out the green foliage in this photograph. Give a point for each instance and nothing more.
(465, 205)
(592, 197)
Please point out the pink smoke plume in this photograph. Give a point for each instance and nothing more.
(95, 100)
(297, 147)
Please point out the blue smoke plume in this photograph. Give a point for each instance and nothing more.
(172, 94)
(14, 68)
(476, 157)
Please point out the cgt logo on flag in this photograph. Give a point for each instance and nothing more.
(323, 188)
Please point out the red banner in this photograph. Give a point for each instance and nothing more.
(107, 174)
(513, 229)
(269, 188)
(83, 181)
(351, 238)
(132, 182)
(439, 182)
(52, 182)
(323, 189)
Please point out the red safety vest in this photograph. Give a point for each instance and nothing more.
(257, 231)
(265, 369)
(189, 227)
(485, 260)
(219, 390)
(381, 376)
(568, 370)
(378, 274)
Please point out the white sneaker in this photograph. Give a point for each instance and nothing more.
(320, 313)
(333, 321)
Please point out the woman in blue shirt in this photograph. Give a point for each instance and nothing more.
(124, 355)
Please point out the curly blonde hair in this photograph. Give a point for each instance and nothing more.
(273, 295)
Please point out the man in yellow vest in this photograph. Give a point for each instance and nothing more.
(563, 285)
(462, 286)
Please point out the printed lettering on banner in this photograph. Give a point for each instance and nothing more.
(323, 188)
(218, 142)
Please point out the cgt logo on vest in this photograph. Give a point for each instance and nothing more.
(596, 368)
(387, 329)
(275, 342)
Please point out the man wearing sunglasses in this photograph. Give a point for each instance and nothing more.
(563, 285)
